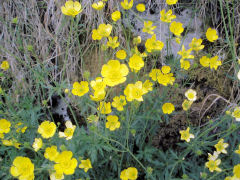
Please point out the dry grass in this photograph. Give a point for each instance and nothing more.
(66, 56)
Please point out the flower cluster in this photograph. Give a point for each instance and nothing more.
(163, 76)
(213, 62)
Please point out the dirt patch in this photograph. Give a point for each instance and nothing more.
(210, 85)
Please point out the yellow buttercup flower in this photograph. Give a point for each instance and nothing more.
(98, 95)
(95, 35)
(153, 45)
(130, 173)
(210, 62)
(134, 91)
(116, 15)
(79, 89)
(112, 122)
(167, 16)
(168, 108)
(85, 164)
(112, 42)
(123, 175)
(65, 164)
(103, 30)
(71, 8)
(121, 54)
(148, 28)
(154, 74)
(176, 28)
(22, 168)
(236, 113)
(55, 176)
(211, 35)
(98, 6)
(11, 142)
(186, 104)
(105, 108)
(5, 65)
(186, 54)
(51, 153)
(37, 144)
(165, 77)
(191, 95)
(119, 102)
(214, 62)
(212, 165)
(4, 126)
(98, 84)
(127, 5)
(141, 7)
(196, 44)
(185, 135)
(221, 146)
(99, 89)
(136, 63)
(205, 61)
(171, 2)
(214, 156)
(238, 150)
(114, 73)
(147, 86)
(185, 64)
(236, 171)
(69, 131)
(47, 129)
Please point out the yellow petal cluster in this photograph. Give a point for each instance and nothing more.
(104, 108)
(68, 132)
(22, 168)
(85, 164)
(211, 35)
(163, 76)
(168, 108)
(148, 28)
(136, 63)
(114, 73)
(47, 129)
(71, 8)
(98, 5)
(185, 135)
(103, 30)
(130, 173)
(126, 4)
(119, 102)
(116, 15)
(65, 164)
(213, 62)
(5, 65)
(112, 122)
(134, 91)
(153, 45)
(176, 28)
(167, 16)
(113, 42)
